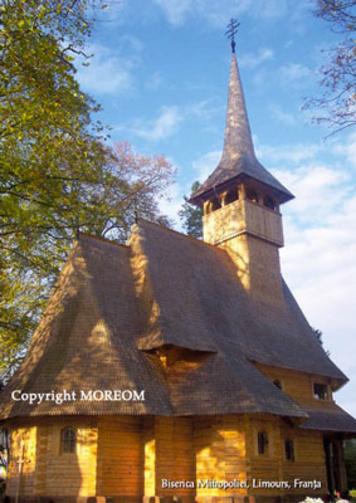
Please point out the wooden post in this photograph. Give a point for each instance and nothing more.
(206, 207)
(242, 191)
(223, 198)
(329, 464)
(339, 465)
(20, 463)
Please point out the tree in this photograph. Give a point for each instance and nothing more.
(192, 216)
(319, 335)
(338, 101)
(350, 462)
(56, 175)
(103, 202)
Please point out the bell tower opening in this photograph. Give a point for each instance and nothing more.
(241, 203)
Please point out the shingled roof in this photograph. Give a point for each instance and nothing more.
(115, 306)
(331, 418)
(238, 158)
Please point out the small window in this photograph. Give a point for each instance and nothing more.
(320, 391)
(289, 449)
(68, 440)
(262, 442)
(269, 203)
(277, 383)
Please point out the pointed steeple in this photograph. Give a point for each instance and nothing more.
(238, 157)
(238, 139)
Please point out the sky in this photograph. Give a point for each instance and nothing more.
(160, 70)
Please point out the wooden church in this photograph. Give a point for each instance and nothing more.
(174, 369)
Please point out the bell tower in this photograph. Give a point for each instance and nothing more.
(241, 201)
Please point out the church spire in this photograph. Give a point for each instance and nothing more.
(238, 158)
(238, 138)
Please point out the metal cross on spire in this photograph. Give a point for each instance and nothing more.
(231, 31)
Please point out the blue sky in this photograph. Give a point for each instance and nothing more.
(161, 70)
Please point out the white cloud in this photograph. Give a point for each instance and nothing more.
(319, 258)
(172, 203)
(160, 128)
(109, 72)
(295, 153)
(175, 10)
(216, 12)
(294, 74)
(349, 150)
(203, 110)
(319, 265)
(291, 76)
(168, 118)
(250, 60)
(205, 165)
(288, 118)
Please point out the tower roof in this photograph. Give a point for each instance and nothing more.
(238, 158)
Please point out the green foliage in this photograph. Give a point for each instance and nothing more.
(350, 463)
(319, 335)
(336, 106)
(191, 216)
(56, 176)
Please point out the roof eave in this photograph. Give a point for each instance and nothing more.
(200, 196)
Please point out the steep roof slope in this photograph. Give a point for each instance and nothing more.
(116, 306)
(202, 301)
(86, 340)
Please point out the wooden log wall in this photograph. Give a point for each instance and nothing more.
(174, 454)
(309, 457)
(127, 457)
(120, 466)
(220, 448)
(47, 471)
(23, 446)
(298, 385)
(69, 474)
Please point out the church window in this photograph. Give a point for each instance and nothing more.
(289, 450)
(231, 196)
(262, 439)
(320, 391)
(269, 203)
(277, 383)
(68, 440)
(252, 196)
